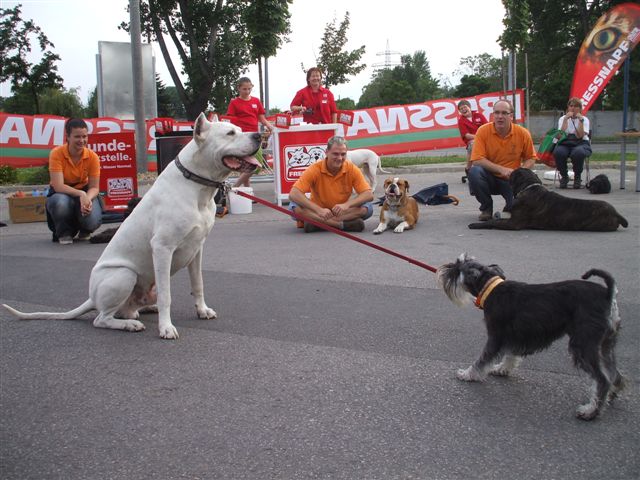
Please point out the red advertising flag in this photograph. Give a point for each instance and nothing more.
(604, 50)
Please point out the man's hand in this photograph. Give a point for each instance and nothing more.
(339, 209)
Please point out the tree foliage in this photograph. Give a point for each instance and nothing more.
(212, 45)
(337, 63)
(409, 82)
(268, 24)
(28, 80)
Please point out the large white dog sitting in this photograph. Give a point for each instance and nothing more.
(165, 233)
(369, 162)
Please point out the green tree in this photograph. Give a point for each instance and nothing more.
(65, 103)
(163, 99)
(212, 44)
(480, 69)
(268, 24)
(91, 110)
(28, 80)
(345, 104)
(337, 63)
(471, 85)
(409, 82)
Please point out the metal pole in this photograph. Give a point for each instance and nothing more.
(266, 84)
(526, 86)
(138, 91)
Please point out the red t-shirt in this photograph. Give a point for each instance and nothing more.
(244, 113)
(466, 125)
(321, 103)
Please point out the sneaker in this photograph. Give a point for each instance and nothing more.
(485, 215)
(564, 181)
(577, 183)
(65, 240)
(310, 227)
(84, 236)
(356, 225)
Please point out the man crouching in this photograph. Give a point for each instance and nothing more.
(331, 183)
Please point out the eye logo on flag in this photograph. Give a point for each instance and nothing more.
(604, 50)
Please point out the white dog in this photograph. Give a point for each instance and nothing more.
(165, 233)
(369, 162)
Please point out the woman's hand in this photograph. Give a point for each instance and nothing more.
(86, 204)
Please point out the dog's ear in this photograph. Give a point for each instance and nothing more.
(200, 128)
(406, 185)
(496, 270)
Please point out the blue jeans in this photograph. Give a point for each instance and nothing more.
(483, 184)
(577, 154)
(66, 218)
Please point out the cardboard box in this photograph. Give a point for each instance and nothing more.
(27, 209)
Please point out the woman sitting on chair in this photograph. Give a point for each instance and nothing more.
(576, 146)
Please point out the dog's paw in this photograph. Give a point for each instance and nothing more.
(207, 313)
(169, 332)
(379, 229)
(468, 375)
(399, 229)
(133, 326)
(588, 411)
(499, 371)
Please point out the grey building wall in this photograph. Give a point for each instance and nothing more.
(603, 124)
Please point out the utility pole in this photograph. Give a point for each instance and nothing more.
(138, 90)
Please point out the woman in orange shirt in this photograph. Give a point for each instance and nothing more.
(73, 206)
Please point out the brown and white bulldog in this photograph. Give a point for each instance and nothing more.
(399, 210)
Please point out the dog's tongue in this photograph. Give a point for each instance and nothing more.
(236, 163)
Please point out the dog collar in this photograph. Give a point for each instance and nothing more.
(486, 291)
(527, 188)
(189, 175)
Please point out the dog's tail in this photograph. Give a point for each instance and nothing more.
(71, 314)
(612, 293)
(622, 221)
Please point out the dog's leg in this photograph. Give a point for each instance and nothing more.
(382, 226)
(477, 371)
(508, 364)
(197, 287)
(618, 382)
(402, 226)
(588, 358)
(162, 269)
(111, 294)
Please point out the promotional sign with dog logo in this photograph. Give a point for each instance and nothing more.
(295, 150)
(118, 173)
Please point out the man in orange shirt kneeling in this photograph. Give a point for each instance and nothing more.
(331, 183)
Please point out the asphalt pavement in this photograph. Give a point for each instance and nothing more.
(329, 359)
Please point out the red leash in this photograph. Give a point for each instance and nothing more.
(335, 230)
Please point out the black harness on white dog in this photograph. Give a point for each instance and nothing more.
(189, 175)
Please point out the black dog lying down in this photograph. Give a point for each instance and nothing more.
(105, 236)
(522, 319)
(537, 208)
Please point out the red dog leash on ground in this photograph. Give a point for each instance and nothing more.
(335, 230)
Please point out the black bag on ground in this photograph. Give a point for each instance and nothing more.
(599, 184)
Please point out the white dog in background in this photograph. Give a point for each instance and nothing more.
(165, 233)
(369, 162)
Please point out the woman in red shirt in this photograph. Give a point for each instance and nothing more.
(245, 112)
(468, 124)
(315, 102)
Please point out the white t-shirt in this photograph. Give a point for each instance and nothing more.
(572, 123)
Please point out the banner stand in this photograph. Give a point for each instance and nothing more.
(295, 149)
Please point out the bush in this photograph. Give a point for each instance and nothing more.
(34, 176)
(8, 175)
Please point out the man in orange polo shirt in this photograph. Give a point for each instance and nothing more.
(499, 148)
(73, 206)
(331, 183)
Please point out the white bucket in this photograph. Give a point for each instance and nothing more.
(239, 204)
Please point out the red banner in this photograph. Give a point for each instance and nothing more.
(604, 50)
(118, 172)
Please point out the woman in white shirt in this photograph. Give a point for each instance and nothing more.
(576, 146)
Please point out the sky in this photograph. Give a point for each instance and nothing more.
(446, 30)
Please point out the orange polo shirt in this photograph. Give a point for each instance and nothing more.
(76, 176)
(328, 190)
(509, 151)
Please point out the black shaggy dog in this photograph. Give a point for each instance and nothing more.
(105, 236)
(537, 208)
(523, 319)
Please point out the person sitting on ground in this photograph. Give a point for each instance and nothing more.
(468, 124)
(331, 183)
(575, 146)
(245, 112)
(73, 204)
(499, 148)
